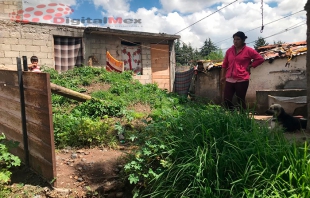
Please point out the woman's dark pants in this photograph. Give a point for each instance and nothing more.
(238, 88)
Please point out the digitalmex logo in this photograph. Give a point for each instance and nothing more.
(57, 13)
(45, 13)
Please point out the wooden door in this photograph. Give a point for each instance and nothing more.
(160, 65)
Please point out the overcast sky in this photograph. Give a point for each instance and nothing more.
(219, 19)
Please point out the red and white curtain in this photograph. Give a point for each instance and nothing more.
(131, 55)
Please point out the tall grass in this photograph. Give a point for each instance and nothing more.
(187, 149)
(213, 153)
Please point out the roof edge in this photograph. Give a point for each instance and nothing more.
(110, 31)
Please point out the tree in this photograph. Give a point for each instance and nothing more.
(216, 55)
(185, 54)
(278, 42)
(260, 42)
(207, 48)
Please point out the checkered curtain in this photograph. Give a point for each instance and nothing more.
(182, 81)
(68, 53)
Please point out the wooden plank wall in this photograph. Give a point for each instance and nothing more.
(160, 65)
(38, 104)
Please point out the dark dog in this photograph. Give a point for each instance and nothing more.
(289, 123)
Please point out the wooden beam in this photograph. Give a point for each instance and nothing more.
(69, 93)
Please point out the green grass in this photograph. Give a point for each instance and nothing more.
(212, 153)
(185, 148)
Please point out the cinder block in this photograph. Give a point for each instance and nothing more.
(6, 61)
(147, 71)
(14, 61)
(46, 49)
(27, 54)
(146, 63)
(144, 57)
(25, 41)
(146, 51)
(18, 48)
(41, 55)
(11, 54)
(15, 35)
(50, 55)
(47, 62)
(95, 46)
(5, 34)
(11, 67)
(39, 42)
(45, 37)
(5, 47)
(8, 10)
(33, 48)
(50, 43)
(29, 36)
(11, 41)
(13, 7)
(146, 77)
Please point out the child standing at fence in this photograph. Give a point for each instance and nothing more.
(34, 67)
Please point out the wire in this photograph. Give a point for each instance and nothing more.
(262, 8)
(283, 31)
(264, 25)
(201, 19)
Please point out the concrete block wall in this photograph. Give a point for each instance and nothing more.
(9, 6)
(146, 76)
(19, 40)
(97, 45)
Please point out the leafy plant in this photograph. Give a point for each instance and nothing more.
(7, 160)
(76, 132)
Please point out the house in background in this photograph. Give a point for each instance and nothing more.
(150, 55)
(282, 74)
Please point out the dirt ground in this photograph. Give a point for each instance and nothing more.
(80, 173)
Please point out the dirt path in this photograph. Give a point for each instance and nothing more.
(79, 174)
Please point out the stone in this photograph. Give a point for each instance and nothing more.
(74, 156)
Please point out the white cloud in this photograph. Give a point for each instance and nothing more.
(188, 6)
(112, 7)
(239, 16)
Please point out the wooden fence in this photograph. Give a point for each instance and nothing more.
(26, 117)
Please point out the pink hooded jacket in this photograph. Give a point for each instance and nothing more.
(236, 64)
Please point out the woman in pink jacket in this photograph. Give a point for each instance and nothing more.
(236, 70)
